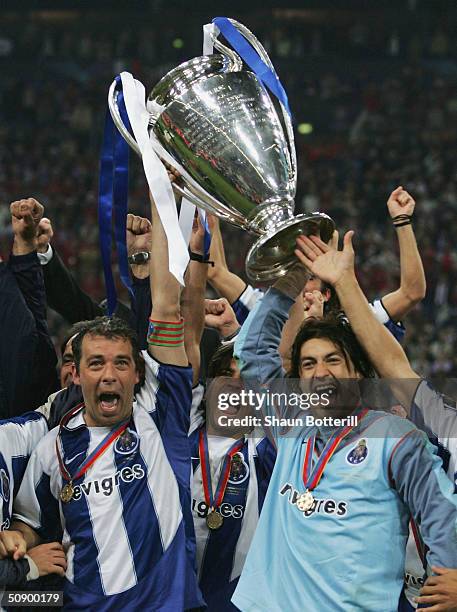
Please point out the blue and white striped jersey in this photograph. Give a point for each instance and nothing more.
(246, 302)
(123, 530)
(18, 438)
(221, 553)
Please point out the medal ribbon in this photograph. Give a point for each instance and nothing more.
(216, 500)
(95, 454)
(311, 478)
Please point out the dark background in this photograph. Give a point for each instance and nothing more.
(376, 81)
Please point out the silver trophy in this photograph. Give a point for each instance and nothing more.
(218, 122)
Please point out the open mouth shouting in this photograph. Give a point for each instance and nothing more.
(109, 403)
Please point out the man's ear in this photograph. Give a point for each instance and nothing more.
(327, 294)
(75, 375)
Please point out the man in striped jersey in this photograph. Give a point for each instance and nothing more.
(18, 438)
(116, 471)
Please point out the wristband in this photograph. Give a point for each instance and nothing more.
(401, 220)
(166, 333)
(231, 337)
(137, 259)
(402, 224)
(201, 258)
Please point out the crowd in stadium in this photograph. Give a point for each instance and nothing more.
(371, 133)
(124, 482)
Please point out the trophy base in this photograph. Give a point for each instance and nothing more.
(273, 254)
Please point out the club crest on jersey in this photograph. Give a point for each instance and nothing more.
(239, 470)
(358, 453)
(127, 443)
(4, 485)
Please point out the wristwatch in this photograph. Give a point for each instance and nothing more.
(139, 258)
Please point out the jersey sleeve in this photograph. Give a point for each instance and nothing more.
(167, 397)
(417, 475)
(246, 302)
(35, 504)
(396, 328)
(257, 348)
(436, 414)
(197, 415)
(20, 435)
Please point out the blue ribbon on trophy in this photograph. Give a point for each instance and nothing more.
(249, 55)
(113, 194)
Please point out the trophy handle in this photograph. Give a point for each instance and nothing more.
(236, 63)
(249, 36)
(113, 95)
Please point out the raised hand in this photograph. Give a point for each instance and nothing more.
(44, 235)
(400, 202)
(323, 260)
(220, 316)
(197, 238)
(26, 214)
(138, 236)
(313, 302)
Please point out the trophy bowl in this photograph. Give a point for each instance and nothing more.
(215, 119)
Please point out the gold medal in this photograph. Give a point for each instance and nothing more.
(305, 501)
(67, 492)
(214, 520)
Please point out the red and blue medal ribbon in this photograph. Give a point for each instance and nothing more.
(95, 454)
(311, 477)
(113, 194)
(216, 500)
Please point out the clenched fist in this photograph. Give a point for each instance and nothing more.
(400, 202)
(25, 217)
(138, 234)
(44, 235)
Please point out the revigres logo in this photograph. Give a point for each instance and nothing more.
(225, 509)
(322, 506)
(105, 486)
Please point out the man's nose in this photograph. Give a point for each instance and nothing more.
(321, 370)
(109, 373)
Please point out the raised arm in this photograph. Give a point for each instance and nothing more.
(165, 337)
(40, 376)
(337, 268)
(226, 283)
(139, 248)
(412, 277)
(63, 293)
(193, 300)
(257, 345)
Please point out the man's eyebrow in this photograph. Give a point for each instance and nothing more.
(332, 354)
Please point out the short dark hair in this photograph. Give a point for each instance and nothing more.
(220, 362)
(109, 327)
(338, 331)
(74, 329)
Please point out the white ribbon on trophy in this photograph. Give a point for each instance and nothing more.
(156, 175)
